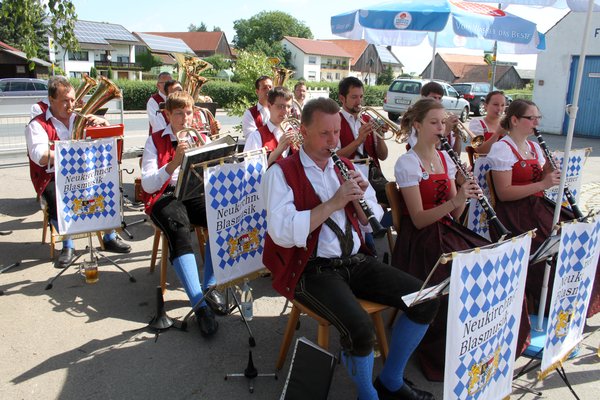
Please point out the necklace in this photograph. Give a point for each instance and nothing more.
(431, 166)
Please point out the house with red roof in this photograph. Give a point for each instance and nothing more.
(317, 60)
(204, 44)
(14, 64)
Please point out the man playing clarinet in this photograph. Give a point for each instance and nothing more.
(315, 251)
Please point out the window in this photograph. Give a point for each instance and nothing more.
(312, 75)
(40, 86)
(312, 59)
(78, 56)
(124, 59)
(329, 77)
(451, 91)
(337, 76)
(3, 86)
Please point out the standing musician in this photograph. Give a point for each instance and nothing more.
(434, 90)
(520, 175)
(201, 119)
(299, 98)
(357, 137)
(272, 135)
(163, 154)
(314, 250)
(40, 134)
(489, 126)
(155, 116)
(430, 206)
(258, 115)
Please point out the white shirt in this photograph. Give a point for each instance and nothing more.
(289, 227)
(248, 124)
(476, 127)
(37, 138)
(254, 140)
(408, 170)
(501, 157)
(36, 109)
(153, 178)
(155, 117)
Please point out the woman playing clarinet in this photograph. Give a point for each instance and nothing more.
(489, 126)
(431, 204)
(520, 175)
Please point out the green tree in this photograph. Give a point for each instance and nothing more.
(218, 62)
(250, 66)
(386, 76)
(217, 29)
(20, 16)
(148, 60)
(270, 26)
(11, 35)
(200, 28)
(93, 72)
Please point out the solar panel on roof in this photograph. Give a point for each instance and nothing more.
(99, 32)
(165, 44)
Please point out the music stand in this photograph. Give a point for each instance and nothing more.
(118, 130)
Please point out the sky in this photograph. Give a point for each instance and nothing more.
(177, 15)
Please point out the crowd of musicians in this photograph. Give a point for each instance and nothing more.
(319, 244)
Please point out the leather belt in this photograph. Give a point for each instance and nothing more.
(321, 263)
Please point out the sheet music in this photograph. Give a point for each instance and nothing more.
(441, 289)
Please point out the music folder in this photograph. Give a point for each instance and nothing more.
(190, 182)
(311, 372)
(548, 249)
(425, 294)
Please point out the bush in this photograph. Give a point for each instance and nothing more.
(373, 94)
(226, 94)
(136, 93)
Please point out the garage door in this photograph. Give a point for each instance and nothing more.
(588, 118)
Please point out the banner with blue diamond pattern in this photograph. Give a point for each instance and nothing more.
(236, 217)
(484, 312)
(573, 282)
(477, 218)
(87, 186)
(577, 159)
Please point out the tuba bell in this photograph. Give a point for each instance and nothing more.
(107, 90)
(280, 74)
(87, 83)
(190, 69)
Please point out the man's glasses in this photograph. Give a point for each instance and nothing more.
(532, 117)
(283, 106)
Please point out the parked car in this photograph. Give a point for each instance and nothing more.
(23, 87)
(402, 93)
(474, 93)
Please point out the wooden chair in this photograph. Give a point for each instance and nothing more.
(395, 198)
(201, 235)
(373, 309)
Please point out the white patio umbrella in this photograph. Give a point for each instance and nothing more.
(587, 6)
(463, 24)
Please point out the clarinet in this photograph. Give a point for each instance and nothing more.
(483, 201)
(570, 198)
(378, 230)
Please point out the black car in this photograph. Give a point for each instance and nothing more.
(474, 93)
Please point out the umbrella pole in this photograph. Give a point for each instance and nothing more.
(572, 113)
(432, 69)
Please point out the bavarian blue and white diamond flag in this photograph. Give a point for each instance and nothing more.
(484, 312)
(87, 186)
(573, 282)
(477, 218)
(577, 159)
(236, 217)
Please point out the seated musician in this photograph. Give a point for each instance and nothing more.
(163, 154)
(489, 126)
(520, 175)
(203, 118)
(155, 117)
(40, 134)
(431, 204)
(314, 250)
(434, 90)
(271, 135)
(357, 136)
(258, 115)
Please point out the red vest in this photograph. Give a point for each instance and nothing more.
(43, 106)
(527, 171)
(256, 115)
(164, 154)
(268, 139)
(39, 177)
(287, 264)
(346, 137)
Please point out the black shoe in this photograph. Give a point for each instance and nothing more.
(206, 321)
(116, 245)
(216, 302)
(66, 257)
(406, 392)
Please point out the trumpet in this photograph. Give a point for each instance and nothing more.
(465, 134)
(380, 122)
(189, 134)
(291, 124)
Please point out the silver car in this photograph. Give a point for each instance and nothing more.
(23, 87)
(402, 93)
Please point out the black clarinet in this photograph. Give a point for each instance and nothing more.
(378, 229)
(483, 201)
(570, 198)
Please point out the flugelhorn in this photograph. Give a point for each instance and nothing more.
(380, 122)
(106, 91)
(190, 136)
(466, 135)
(292, 125)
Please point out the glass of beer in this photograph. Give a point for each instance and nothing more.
(90, 270)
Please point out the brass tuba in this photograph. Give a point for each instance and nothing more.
(106, 91)
(190, 69)
(87, 83)
(280, 74)
(380, 122)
